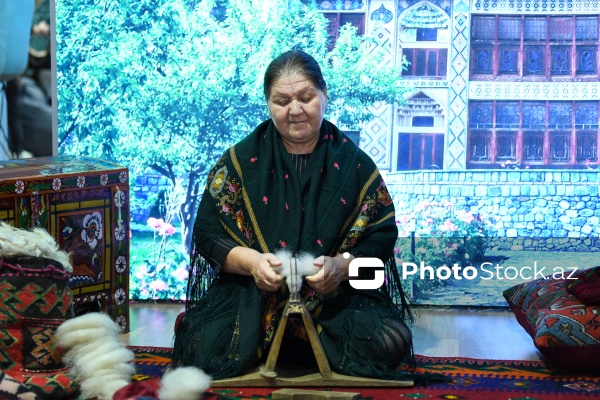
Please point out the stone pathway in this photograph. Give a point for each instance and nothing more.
(504, 270)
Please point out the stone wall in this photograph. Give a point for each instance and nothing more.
(533, 209)
(146, 187)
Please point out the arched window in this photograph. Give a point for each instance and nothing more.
(424, 40)
(421, 136)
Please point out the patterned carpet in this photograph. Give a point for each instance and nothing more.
(473, 379)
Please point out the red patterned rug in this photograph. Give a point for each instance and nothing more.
(472, 379)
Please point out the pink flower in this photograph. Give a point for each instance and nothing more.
(286, 176)
(319, 242)
(336, 165)
(345, 140)
(158, 285)
(358, 165)
(343, 200)
(166, 229)
(266, 199)
(448, 226)
(181, 274)
(233, 187)
(282, 243)
(140, 271)
(253, 159)
(226, 208)
(154, 223)
(286, 206)
(365, 207)
(326, 137)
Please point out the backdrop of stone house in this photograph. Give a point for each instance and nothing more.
(503, 113)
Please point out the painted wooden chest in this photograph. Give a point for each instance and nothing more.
(84, 204)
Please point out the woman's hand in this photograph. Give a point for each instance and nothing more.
(262, 267)
(334, 270)
(264, 272)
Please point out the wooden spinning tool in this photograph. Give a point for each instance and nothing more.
(295, 305)
(268, 377)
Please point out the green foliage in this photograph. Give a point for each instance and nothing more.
(162, 84)
(357, 80)
(159, 270)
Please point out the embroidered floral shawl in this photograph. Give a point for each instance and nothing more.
(339, 203)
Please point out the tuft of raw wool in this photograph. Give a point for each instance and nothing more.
(305, 267)
(101, 363)
(183, 383)
(37, 243)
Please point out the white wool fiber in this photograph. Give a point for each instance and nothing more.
(91, 321)
(102, 387)
(184, 383)
(86, 330)
(104, 358)
(82, 337)
(37, 243)
(96, 355)
(305, 267)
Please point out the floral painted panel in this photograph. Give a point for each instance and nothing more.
(81, 233)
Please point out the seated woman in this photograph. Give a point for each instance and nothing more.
(296, 182)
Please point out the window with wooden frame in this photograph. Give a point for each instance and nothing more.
(337, 20)
(530, 48)
(421, 125)
(540, 134)
(420, 151)
(426, 62)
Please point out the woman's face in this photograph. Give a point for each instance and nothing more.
(297, 107)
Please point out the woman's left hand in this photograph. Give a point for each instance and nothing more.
(333, 271)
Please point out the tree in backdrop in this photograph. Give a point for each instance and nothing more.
(171, 84)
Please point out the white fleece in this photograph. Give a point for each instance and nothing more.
(102, 364)
(37, 243)
(95, 354)
(305, 267)
(183, 383)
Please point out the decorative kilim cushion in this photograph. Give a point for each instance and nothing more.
(35, 299)
(563, 329)
(586, 286)
(11, 389)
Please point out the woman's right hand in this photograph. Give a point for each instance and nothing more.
(264, 271)
(262, 267)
